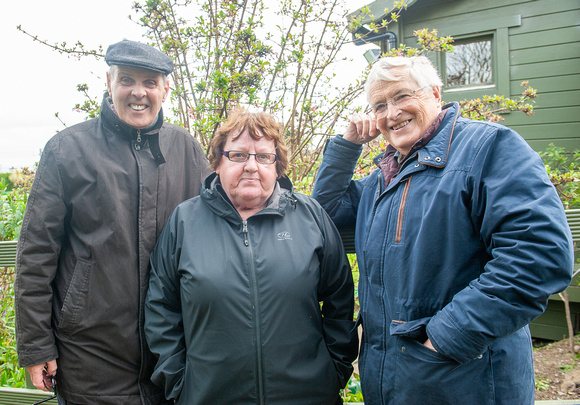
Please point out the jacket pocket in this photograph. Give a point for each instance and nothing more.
(426, 376)
(416, 329)
(75, 298)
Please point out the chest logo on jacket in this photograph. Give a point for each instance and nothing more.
(284, 236)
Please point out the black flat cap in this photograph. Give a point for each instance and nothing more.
(136, 54)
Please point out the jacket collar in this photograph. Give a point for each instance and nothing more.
(218, 201)
(112, 122)
(436, 152)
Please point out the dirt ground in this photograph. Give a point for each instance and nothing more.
(557, 370)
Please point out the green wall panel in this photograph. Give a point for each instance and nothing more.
(559, 99)
(545, 116)
(537, 39)
(548, 21)
(550, 84)
(542, 69)
(549, 131)
(546, 53)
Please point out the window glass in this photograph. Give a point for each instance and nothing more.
(470, 63)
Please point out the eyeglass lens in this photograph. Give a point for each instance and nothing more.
(240, 157)
(398, 100)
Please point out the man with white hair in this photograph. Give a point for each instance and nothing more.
(460, 238)
(101, 196)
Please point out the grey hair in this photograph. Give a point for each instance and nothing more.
(419, 68)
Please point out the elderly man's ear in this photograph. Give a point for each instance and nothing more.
(437, 93)
(166, 88)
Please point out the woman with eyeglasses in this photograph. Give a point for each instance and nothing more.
(251, 295)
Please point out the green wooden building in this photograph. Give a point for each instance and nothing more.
(498, 44)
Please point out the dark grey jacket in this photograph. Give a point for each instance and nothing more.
(233, 310)
(99, 200)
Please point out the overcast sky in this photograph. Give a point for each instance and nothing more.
(39, 82)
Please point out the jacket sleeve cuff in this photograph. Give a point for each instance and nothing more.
(341, 145)
(37, 357)
(449, 340)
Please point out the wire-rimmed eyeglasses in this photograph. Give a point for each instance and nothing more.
(241, 157)
(400, 100)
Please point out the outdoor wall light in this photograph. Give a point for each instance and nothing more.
(372, 55)
(386, 41)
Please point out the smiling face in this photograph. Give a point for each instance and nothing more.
(405, 123)
(137, 94)
(248, 184)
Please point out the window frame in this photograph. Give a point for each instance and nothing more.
(475, 86)
(498, 29)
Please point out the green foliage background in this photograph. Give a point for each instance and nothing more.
(14, 189)
(564, 170)
(10, 374)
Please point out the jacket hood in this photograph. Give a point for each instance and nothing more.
(217, 200)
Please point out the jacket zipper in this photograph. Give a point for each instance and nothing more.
(256, 309)
(245, 232)
(137, 143)
(402, 211)
(399, 230)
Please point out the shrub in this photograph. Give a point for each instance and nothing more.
(13, 197)
(564, 171)
(10, 374)
(14, 189)
(12, 204)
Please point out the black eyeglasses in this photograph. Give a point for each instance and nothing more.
(50, 384)
(241, 157)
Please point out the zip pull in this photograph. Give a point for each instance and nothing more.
(137, 144)
(245, 232)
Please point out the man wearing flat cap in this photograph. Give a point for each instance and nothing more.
(101, 195)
